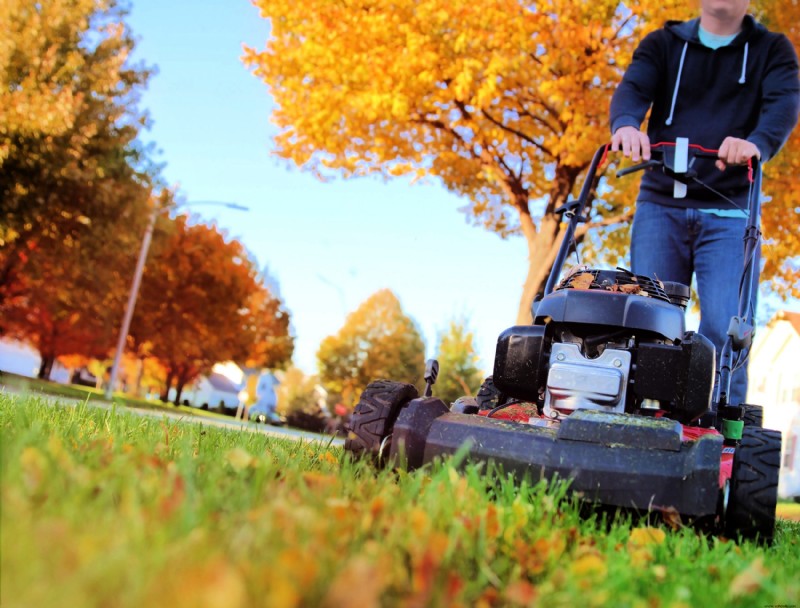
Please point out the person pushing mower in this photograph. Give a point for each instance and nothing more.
(730, 84)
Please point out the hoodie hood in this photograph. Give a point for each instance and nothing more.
(687, 31)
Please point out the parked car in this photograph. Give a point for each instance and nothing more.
(265, 415)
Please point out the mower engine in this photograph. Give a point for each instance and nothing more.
(611, 341)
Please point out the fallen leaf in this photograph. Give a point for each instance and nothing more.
(319, 480)
(33, 464)
(583, 281)
(520, 592)
(672, 518)
(360, 583)
(589, 564)
(641, 537)
(239, 459)
(749, 580)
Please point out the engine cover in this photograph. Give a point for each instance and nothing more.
(600, 307)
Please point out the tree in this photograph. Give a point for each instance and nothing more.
(458, 371)
(68, 126)
(503, 101)
(70, 305)
(781, 175)
(201, 302)
(377, 341)
(298, 392)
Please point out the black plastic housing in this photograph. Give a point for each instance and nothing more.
(681, 375)
(600, 307)
(519, 362)
(614, 459)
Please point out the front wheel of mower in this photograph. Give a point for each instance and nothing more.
(374, 416)
(753, 493)
(489, 396)
(753, 415)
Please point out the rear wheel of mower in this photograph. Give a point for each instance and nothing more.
(489, 396)
(753, 494)
(753, 415)
(374, 416)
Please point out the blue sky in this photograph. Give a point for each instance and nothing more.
(330, 245)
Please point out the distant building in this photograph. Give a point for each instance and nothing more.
(775, 385)
(215, 391)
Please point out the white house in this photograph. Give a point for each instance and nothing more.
(775, 385)
(221, 388)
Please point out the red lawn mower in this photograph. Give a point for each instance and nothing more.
(607, 389)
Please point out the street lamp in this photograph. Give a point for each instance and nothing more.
(137, 280)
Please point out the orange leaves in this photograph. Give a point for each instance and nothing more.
(214, 583)
(360, 583)
(642, 537)
(749, 580)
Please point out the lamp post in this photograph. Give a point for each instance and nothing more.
(137, 280)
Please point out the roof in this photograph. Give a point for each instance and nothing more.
(792, 317)
(222, 383)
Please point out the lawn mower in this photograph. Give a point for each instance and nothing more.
(606, 389)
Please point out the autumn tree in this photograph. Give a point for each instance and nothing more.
(781, 175)
(201, 302)
(503, 101)
(298, 392)
(68, 126)
(458, 363)
(71, 304)
(378, 340)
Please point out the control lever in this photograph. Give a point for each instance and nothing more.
(634, 168)
(431, 372)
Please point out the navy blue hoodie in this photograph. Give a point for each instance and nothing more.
(748, 89)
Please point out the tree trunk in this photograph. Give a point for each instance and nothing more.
(543, 242)
(167, 385)
(139, 376)
(179, 390)
(46, 367)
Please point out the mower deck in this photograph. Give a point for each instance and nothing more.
(616, 459)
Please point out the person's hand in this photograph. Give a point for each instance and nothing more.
(632, 142)
(735, 151)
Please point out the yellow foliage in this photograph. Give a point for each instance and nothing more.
(503, 101)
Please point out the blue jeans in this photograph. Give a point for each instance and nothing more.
(672, 243)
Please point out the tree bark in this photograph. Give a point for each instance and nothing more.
(543, 242)
(167, 385)
(46, 367)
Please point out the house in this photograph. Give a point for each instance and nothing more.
(775, 385)
(221, 389)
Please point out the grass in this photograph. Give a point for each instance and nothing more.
(36, 386)
(104, 508)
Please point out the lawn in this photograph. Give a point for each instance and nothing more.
(104, 508)
(35, 386)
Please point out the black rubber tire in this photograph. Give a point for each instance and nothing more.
(753, 493)
(753, 415)
(374, 416)
(489, 396)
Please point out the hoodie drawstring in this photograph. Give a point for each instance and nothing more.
(677, 84)
(744, 63)
(742, 78)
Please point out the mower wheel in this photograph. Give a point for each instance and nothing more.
(753, 415)
(489, 396)
(374, 416)
(753, 493)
